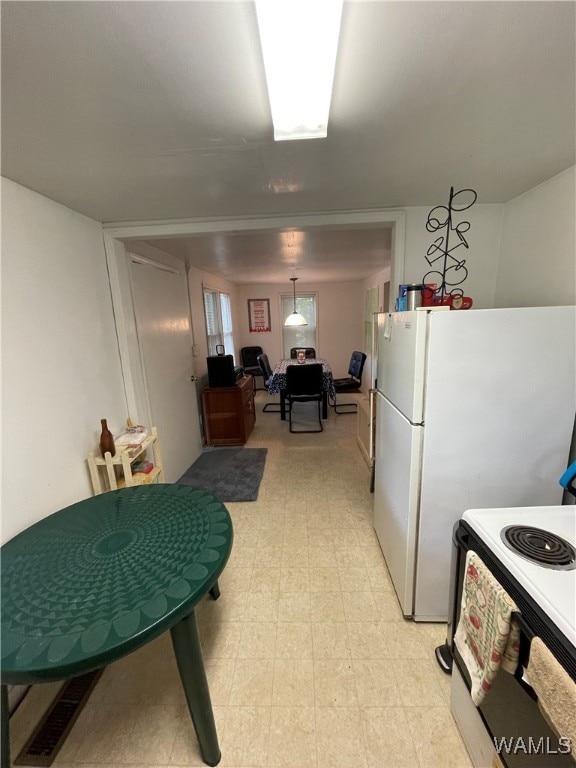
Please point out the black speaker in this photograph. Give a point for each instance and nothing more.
(221, 371)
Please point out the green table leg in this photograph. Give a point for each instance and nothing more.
(188, 651)
(5, 733)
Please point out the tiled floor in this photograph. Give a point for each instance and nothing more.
(309, 661)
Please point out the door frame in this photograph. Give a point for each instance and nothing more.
(118, 258)
(117, 238)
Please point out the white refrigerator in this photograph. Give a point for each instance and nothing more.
(474, 409)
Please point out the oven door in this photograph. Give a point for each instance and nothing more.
(510, 714)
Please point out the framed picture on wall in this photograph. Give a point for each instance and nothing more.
(259, 316)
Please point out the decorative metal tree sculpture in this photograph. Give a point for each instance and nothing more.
(451, 271)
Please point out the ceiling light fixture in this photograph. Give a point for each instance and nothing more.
(299, 43)
(295, 318)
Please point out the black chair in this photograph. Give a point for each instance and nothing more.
(266, 372)
(309, 352)
(249, 360)
(351, 383)
(304, 384)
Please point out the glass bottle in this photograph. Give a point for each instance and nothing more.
(106, 439)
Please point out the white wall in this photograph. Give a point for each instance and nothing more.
(481, 256)
(538, 253)
(340, 320)
(61, 368)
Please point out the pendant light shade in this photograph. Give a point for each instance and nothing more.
(295, 318)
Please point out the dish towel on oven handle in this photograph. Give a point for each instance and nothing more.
(555, 689)
(487, 636)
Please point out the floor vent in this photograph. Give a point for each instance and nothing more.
(50, 733)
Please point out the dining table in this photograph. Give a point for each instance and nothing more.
(99, 579)
(278, 382)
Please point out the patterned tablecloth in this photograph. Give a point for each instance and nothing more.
(278, 379)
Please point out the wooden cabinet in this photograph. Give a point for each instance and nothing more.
(229, 414)
(109, 473)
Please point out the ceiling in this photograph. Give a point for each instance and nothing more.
(145, 111)
(313, 254)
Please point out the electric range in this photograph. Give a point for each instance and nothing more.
(531, 552)
(550, 580)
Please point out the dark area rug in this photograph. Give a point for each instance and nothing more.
(231, 474)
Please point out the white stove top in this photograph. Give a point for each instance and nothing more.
(553, 590)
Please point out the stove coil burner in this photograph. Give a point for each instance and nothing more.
(542, 547)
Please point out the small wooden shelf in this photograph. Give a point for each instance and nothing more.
(103, 468)
(140, 478)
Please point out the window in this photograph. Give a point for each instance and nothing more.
(303, 335)
(218, 313)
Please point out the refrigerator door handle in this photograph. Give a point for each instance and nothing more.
(387, 332)
(372, 412)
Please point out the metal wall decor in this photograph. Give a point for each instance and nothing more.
(448, 271)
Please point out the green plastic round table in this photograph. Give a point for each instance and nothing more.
(99, 579)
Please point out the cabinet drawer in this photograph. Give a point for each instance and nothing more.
(229, 413)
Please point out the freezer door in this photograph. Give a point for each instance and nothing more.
(401, 361)
(396, 496)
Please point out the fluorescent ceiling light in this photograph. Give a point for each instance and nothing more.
(299, 44)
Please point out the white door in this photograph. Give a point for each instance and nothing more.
(396, 496)
(162, 311)
(401, 361)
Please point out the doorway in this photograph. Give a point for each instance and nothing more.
(156, 343)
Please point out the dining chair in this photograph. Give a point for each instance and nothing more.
(309, 352)
(304, 384)
(249, 362)
(350, 383)
(266, 372)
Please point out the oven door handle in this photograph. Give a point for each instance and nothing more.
(522, 680)
(520, 674)
(524, 628)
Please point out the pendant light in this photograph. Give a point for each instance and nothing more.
(295, 318)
